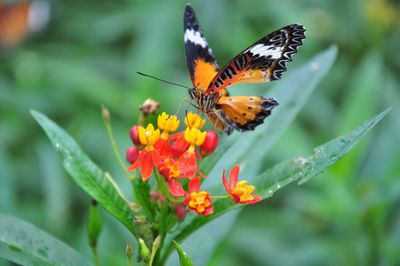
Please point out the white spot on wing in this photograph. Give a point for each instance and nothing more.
(195, 37)
(267, 50)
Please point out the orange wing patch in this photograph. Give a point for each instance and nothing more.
(204, 72)
(13, 23)
(244, 112)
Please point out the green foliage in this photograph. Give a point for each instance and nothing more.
(25, 244)
(85, 173)
(348, 217)
(300, 169)
(184, 258)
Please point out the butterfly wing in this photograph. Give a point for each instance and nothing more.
(263, 61)
(200, 60)
(242, 113)
(13, 23)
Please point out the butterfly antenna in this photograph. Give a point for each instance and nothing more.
(162, 80)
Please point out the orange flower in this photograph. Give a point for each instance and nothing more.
(239, 192)
(198, 201)
(148, 157)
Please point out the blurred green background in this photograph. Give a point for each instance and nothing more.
(87, 56)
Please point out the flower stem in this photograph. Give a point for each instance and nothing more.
(95, 256)
(107, 123)
(219, 197)
(162, 185)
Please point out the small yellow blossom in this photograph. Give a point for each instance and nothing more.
(148, 136)
(168, 123)
(194, 121)
(243, 191)
(199, 201)
(194, 136)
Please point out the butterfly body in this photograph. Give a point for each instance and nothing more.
(262, 61)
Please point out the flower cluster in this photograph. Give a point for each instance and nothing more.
(175, 157)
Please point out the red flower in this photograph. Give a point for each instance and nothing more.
(163, 147)
(180, 145)
(239, 192)
(198, 201)
(146, 161)
(148, 157)
(187, 164)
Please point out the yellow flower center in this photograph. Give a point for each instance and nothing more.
(194, 121)
(168, 123)
(243, 191)
(148, 136)
(173, 168)
(194, 136)
(199, 201)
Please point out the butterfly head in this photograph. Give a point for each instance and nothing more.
(205, 102)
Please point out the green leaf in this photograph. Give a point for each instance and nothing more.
(85, 173)
(25, 244)
(300, 169)
(364, 90)
(184, 258)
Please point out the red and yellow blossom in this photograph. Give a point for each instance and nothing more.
(148, 157)
(169, 169)
(198, 201)
(167, 123)
(239, 192)
(180, 145)
(188, 160)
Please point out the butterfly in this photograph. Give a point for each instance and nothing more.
(19, 19)
(263, 61)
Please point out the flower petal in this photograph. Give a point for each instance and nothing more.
(157, 160)
(194, 185)
(176, 188)
(234, 176)
(209, 210)
(188, 164)
(254, 200)
(147, 166)
(225, 182)
(138, 161)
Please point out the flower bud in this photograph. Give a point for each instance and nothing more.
(134, 134)
(132, 154)
(94, 224)
(149, 107)
(157, 197)
(210, 143)
(144, 250)
(180, 212)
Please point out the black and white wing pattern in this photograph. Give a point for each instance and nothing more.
(200, 60)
